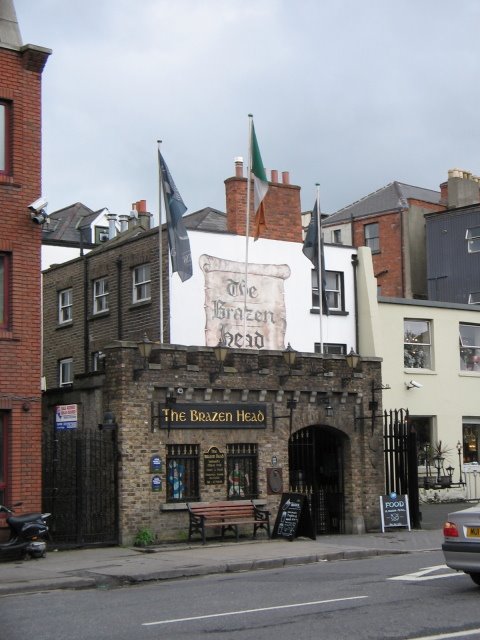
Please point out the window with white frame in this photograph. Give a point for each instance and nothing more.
(334, 290)
(65, 372)
(65, 302)
(333, 282)
(372, 238)
(5, 137)
(417, 344)
(336, 348)
(474, 298)
(473, 239)
(469, 339)
(141, 283)
(100, 295)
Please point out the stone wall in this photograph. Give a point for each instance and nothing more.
(184, 374)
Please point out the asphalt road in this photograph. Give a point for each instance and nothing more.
(387, 597)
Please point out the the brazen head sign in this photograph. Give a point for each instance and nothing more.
(246, 313)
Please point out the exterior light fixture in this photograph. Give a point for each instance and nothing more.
(145, 347)
(459, 451)
(290, 357)
(220, 352)
(352, 360)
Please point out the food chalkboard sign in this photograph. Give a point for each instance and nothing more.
(294, 518)
(394, 511)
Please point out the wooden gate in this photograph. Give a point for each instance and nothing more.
(316, 470)
(400, 450)
(80, 486)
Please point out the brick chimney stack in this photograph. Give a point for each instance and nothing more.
(144, 217)
(461, 189)
(282, 206)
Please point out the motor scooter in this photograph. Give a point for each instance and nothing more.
(28, 532)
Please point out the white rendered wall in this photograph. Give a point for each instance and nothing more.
(187, 299)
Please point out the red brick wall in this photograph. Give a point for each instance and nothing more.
(388, 263)
(282, 209)
(20, 344)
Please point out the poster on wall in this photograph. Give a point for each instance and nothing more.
(244, 314)
(66, 416)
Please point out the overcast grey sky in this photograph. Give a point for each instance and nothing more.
(352, 94)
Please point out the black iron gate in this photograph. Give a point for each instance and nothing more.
(80, 486)
(400, 450)
(316, 470)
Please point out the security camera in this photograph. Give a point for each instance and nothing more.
(413, 384)
(37, 211)
(38, 205)
(179, 391)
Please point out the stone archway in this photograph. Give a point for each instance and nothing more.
(316, 461)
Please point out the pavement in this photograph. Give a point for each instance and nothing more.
(110, 567)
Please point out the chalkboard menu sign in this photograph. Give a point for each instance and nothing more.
(294, 518)
(394, 511)
(214, 466)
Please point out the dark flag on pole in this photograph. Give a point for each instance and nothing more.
(310, 249)
(178, 242)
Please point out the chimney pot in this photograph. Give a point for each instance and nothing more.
(285, 177)
(274, 175)
(239, 167)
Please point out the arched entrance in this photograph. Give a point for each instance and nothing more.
(316, 463)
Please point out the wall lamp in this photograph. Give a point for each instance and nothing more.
(325, 400)
(352, 360)
(145, 347)
(109, 422)
(291, 406)
(290, 357)
(220, 352)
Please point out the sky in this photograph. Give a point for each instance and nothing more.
(345, 93)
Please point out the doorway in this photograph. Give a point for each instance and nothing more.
(316, 463)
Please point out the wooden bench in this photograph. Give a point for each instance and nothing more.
(227, 516)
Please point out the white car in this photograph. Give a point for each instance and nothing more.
(461, 546)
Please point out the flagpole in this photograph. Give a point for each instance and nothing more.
(160, 249)
(319, 266)
(247, 230)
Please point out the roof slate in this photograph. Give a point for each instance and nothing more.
(392, 197)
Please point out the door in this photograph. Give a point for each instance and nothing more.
(316, 462)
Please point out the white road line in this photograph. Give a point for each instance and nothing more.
(427, 574)
(237, 613)
(445, 636)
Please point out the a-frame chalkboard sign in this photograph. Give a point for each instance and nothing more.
(294, 518)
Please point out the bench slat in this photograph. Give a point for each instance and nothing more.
(227, 515)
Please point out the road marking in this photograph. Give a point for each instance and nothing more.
(445, 636)
(237, 613)
(423, 574)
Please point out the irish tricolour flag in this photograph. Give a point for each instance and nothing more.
(260, 187)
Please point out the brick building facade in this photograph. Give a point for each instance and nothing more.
(21, 68)
(314, 431)
(391, 222)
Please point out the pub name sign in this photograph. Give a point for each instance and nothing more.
(213, 416)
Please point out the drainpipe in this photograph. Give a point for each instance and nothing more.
(355, 297)
(118, 262)
(86, 336)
